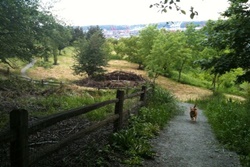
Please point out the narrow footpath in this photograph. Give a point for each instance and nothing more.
(23, 70)
(184, 143)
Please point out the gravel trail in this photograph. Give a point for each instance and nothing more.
(184, 143)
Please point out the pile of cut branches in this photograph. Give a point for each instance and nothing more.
(115, 79)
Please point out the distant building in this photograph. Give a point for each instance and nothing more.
(119, 31)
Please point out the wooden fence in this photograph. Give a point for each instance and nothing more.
(20, 129)
(41, 82)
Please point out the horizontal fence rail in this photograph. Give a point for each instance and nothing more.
(41, 82)
(20, 129)
(53, 119)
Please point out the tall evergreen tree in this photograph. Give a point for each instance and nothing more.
(91, 55)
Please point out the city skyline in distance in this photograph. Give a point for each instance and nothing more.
(118, 31)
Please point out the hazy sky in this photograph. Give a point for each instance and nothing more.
(100, 12)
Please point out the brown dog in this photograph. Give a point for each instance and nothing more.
(193, 113)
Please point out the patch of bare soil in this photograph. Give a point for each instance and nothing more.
(181, 91)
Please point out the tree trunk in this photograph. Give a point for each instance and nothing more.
(55, 56)
(55, 59)
(180, 70)
(214, 82)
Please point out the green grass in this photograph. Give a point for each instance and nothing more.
(190, 79)
(230, 121)
(46, 100)
(200, 81)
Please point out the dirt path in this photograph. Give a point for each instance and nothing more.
(188, 144)
(23, 70)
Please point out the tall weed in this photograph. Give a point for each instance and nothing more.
(230, 121)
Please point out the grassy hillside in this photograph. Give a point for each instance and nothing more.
(63, 72)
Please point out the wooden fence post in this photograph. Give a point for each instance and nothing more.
(8, 71)
(61, 84)
(119, 110)
(19, 153)
(143, 95)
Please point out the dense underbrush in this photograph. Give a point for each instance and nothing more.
(230, 121)
(133, 142)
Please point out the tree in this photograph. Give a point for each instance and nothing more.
(131, 50)
(17, 29)
(128, 48)
(26, 30)
(77, 33)
(120, 47)
(169, 52)
(145, 43)
(158, 61)
(59, 39)
(183, 54)
(212, 49)
(53, 37)
(91, 55)
(230, 38)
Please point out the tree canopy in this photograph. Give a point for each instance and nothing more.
(27, 30)
(18, 28)
(232, 35)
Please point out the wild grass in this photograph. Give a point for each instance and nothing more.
(46, 100)
(61, 72)
(230, 121)
(190, 79)
(202, 81)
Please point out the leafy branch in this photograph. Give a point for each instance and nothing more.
(166, 5)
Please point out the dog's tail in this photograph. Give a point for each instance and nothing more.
(194, 105)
